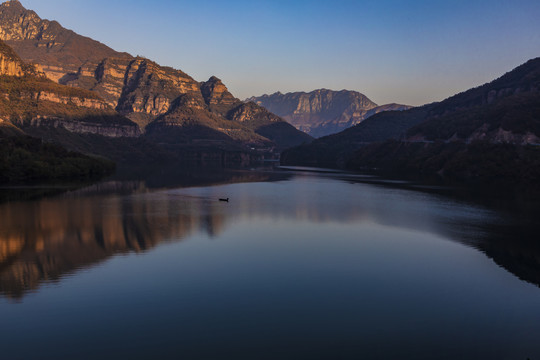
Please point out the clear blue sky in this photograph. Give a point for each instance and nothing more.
(410, 52)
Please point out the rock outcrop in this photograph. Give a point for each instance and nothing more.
(9, 67)
(112, 130)
(28, 98)
(217, 96)
(323, 112)
(46, 42)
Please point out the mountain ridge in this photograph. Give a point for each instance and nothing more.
(484, 134)
(323, 112)
(136, 87)
(31, 100)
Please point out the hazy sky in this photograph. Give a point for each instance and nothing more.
(410, 52)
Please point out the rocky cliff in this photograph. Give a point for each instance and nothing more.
(46, 42)
(323, 112)
(166, 100)
(214, 116)
(29, 99)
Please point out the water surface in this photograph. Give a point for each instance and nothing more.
(297, 265)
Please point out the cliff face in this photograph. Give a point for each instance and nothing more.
(217, 96)
(28, 99)
(9, 67)
(323, 112)
(214, 116)
(12, 65)
(46, 42)
(159, 99)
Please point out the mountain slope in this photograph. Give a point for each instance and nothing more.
(138, 88)
(323, 112)
(333, 150)
(215, 114)
(487, 133)
(29, 99)
(46, 42)
(25, 158)
(504, 110)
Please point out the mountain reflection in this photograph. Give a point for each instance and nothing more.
(43, 240)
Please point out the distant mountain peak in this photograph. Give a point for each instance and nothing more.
(217, 96)
(12, 3)
(322, 111)
(214, 79)
(43, 41)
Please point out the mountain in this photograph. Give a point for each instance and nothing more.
(46, 42)
(77, 119)
(29, 99)
(175, 108)
(323, 112)
(485, 134)
(333, 150)
(214, 114)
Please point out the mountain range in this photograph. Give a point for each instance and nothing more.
(485, 134)
(67, 89)
(91, 98)
(323, 112)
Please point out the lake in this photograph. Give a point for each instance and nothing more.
(297, 265)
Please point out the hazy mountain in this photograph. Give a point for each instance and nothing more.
(323, 112)
(183, 109)
(486, 133)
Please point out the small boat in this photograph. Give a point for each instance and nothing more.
(225, 199)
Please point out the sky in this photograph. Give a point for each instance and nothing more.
(393, 51)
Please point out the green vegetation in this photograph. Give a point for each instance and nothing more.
(333, 150)
(26, 159)
(31, 84)
(480, 163)
(471, 138)
(121, 150)
(519, 114)
(283, 134)
(20, 102)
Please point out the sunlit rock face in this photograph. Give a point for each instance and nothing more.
(27, 98)
(10, 68)
(45, 41)
(217, 96)
(138, 88)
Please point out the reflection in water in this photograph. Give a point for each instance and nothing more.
(295, 266)
(43, 240)
(46, 239)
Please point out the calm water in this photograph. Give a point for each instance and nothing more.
(296, 266)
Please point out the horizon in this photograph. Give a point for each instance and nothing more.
(399, 53)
